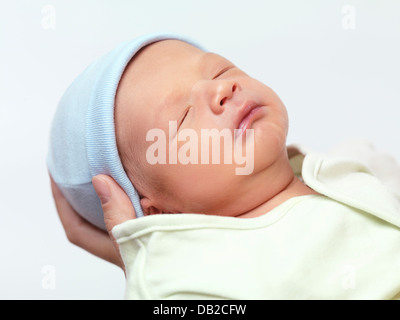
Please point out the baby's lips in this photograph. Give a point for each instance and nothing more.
(254, 114)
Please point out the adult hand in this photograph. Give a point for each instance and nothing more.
(117, 209)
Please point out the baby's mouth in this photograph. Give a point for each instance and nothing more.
(246, 116)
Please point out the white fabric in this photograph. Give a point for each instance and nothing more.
(343, 244)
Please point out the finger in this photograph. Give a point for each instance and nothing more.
(81, 233)
(117, 206)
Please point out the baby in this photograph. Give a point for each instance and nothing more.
(174, 81)
(321, 228)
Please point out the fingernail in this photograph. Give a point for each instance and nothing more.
(102, 189)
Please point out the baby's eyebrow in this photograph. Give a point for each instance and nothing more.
(210, 60)
(207, 56)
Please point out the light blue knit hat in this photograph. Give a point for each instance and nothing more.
(82, 137)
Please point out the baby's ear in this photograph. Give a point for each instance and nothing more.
(148, 207)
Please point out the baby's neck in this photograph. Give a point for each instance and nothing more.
(293, 188)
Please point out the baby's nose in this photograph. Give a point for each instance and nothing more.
(223, 91)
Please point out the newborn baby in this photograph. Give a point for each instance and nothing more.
(172, 80)
(320, 228)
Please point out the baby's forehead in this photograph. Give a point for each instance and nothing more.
(174, 53)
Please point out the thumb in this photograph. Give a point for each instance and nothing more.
(117, 206)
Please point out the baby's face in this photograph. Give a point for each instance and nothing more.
(173, 83)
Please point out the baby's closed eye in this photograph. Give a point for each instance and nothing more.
(222, 71)
(184, 115)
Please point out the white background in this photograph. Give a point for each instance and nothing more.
(337, 83)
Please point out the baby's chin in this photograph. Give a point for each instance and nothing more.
(269, 147)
